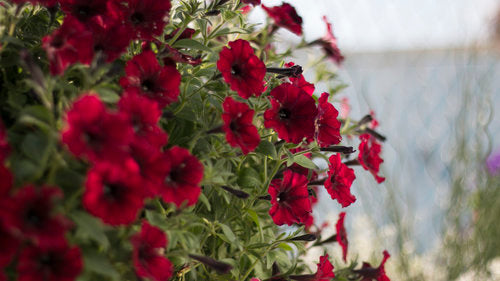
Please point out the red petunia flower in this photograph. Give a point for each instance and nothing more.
(146, 17)
(285, 16)
(325, 270)
(339, 181)
(84, 10)
(4, 145)
(151, 162)
(342, 235)
(369, 273)
(182, 175)
(6, 181)
(300, 81)
(69, 44)
(61, 263)
(329, 44)
(29, 214)
(242, 69)
(144, 115)
(148, 248)
(94, 133)
(113, 192)
(240, 131)
(327, 125)
(158, 83)
(9, 245)
(289, 199)
(292, 114)
(111, 38)
(369, 155)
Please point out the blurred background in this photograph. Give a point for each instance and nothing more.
(430, 70)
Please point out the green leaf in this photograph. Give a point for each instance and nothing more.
(107, 95)
(191, 44)
(304, 162)
(100, 264)
(156, 219)
(285, 247)
(90, 227)
(253, 215)
(34, 146)
(205, 201)
(228, 232)
(267, 148)
(248, 177)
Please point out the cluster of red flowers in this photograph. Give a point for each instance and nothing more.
(103, 27)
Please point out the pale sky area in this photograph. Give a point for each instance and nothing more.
(377, 25)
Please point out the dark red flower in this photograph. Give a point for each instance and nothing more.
(285, 16)
(148, 253)
(342, 235)
(84, 10)
(70, 43)
(144, 115)
(369, 155)
(369, 273)
(253, 2)
(240, 131)
(339, 181)
(9, 245)
(289, 199)
(4, 144)
(151, 162)
(113, 192)
(186, 34)
(61, 263)
(29, 214)
(158, 83)
(111, 38)
(292, 114)
(146, 17)
(182, 175)
(94, 133)
(242, 69)
(329, 44)
(6, 181)
(325, 270)
(327, 125)
(300, 81)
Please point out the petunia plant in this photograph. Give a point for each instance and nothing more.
(169, 140)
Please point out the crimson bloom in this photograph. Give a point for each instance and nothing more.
(148, 248)
(292, 114)
(61, 263)
(9, 245)
(325, 270)
(70, 43)
(111, 38)
(327, 125)
(113, 192)
(145, 17)
(285, 16)
(93, 132)
(289, 199)
(4, 145)
(242, 69)
(238, 125)
(369, 155)
(339, 181)
(29, 214)
(329, 44)
(144, 115)
(158, 83)
(368, 273)
(182, 175)
(6, 181)
(342, 235)
(300, 81)
(84, 10)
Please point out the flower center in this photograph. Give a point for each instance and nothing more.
(83, 12)
(282, 196)
(233, 126)
(236, 70)
(33, 217)
(57, 42)
(137, 18)
(112, 191)
(147, 85)
(284, 113)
